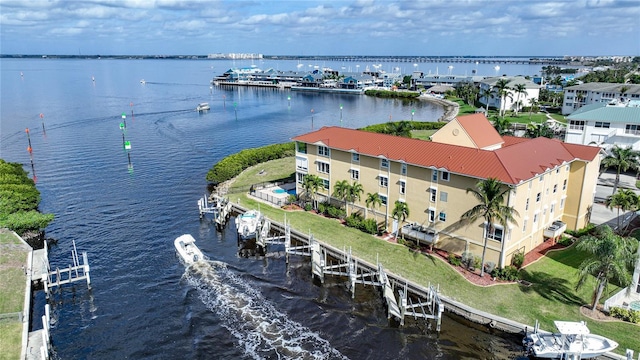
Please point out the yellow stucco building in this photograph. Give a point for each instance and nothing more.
(550, 181)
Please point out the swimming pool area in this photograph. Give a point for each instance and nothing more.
(634, 305)
(284, 191)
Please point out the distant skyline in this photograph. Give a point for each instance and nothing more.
(310, 27)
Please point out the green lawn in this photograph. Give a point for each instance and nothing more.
(550, 297)
(422, 134)
(13, 256)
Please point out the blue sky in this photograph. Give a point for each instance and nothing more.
(310, 27)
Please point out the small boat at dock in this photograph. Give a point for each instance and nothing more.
(248, 224)
(572, 340)
(187, 249)
(202, 107)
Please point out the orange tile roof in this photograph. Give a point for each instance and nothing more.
(480, 130)
(520, 160)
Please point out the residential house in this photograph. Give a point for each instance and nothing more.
(578, 96)
(548, 180)
(532, 92)
(606, 124)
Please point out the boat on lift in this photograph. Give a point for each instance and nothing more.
(187, 249)
(573, 341)
(248, 224)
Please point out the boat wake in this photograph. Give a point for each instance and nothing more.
(262, 331)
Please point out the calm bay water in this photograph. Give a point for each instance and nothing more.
(143, 303)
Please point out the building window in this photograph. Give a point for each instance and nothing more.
(301, 163)
(564, 184)
(576, 125)
(434, 175)
(355, 174)
(355, 157)
(542, 178)
(526, 205)
(632, 129)
(433, 193)
(495, 233)
(384, 181)
(555, 188)
(403, 169)
(323, 151)
(524, 225)
(562, 203)
(538, 197)
(403, 187)
(384, 163)
(299, 178)
(432, 214)
(603, 125)
(442, 216)
(552, 209)
(302, 147)
(383, 199)
(535, 218)
(445, 176)
(443, 196)
(323, 167)
(325, 184)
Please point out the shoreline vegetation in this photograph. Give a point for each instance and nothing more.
(549, 295)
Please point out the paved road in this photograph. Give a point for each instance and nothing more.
(601, 214)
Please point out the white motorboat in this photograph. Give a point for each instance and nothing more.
(573, 340)
(248, 224)
(202, 107)
(187, 249)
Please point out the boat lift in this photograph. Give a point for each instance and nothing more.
(73, 273)
(220, 207)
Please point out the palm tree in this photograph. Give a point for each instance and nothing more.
(519, 89)
(341, 191)
(622, 159)
(501, 125)
(491, 197)
(355, 190)
(624, 200)
(502, 87)
(400, 212)
(400, 128)
(533, 103)
(373, 201)
(535, 130)
(486, 94)
(612, 259)
(311, 185)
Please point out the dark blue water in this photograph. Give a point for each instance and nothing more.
(143, 303)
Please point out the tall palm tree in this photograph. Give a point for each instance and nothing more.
(355, 191)
(612, 259)
(625, 200)
(341, 191)
(491, 197)
(373, 200)
(311, 185)
(519, 89)
(502, 89)
(533, 103)
(486, 94)
(400, 212)
(622, 159)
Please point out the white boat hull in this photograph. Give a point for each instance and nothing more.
(579, 344)
(187, 249)
(248, 224)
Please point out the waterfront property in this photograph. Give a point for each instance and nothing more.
(513, 100)
(578, 96)
(549, 181)
(606, 124)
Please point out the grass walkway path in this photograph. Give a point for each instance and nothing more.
(550, 297)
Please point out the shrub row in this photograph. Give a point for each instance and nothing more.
(331, 211)
(234, 164)
(629, 315)
(392, 94)
(356, 220)
(584, 231)
(19, 200)
(413, 125)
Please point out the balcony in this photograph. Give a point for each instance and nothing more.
(556, 229)
(419, 233)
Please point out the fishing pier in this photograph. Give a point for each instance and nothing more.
(413, 300)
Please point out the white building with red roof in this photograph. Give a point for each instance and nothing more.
(550, 180)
